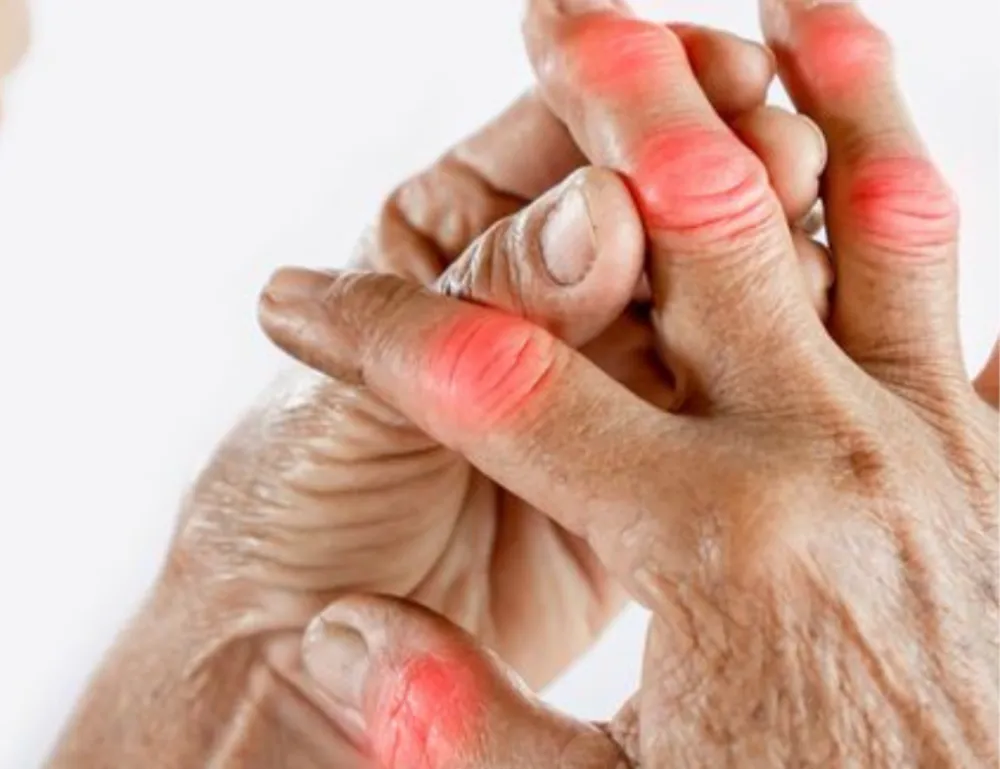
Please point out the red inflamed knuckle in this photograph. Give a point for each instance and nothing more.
(427, 715)
(903, 204)
(701, 183)
(486, 367)
(612, 55)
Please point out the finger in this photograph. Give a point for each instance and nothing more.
(734, 73)
(792, 149)
(419, 693)
(518, 155)
(510, 397)
(988, 381)
(568, 262)
(891, 218)
(721, 259)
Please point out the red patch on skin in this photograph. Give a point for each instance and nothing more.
(700, 180)
(615, 55)
(429, 713)
(903, 204)
(485, 367)
(838, 51)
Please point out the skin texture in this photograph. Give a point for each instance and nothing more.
(294, 507)
(464, 707)
(484, 369)
(324, 488)
(816, 535)
(730, 181)
(430, 710)
(903, 203)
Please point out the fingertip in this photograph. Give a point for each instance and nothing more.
(286, 306)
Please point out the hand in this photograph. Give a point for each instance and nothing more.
(324, 488)
(817, 537)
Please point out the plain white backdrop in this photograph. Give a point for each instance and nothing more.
(158, 159)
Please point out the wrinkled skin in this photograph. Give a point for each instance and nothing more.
(815, 533)
(356, 498)
(185, 683)
(324, 489)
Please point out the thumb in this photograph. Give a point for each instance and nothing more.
(569, 262)
(416, 692)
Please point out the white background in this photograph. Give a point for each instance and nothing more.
(158, 159)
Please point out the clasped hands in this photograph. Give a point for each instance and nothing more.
(594, 353)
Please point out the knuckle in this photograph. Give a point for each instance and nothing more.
(611, 53)
(903, 204)
(494, 365)
(702, 185)
(430, 712)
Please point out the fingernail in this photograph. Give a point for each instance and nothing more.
(336, 656)
(567, 239)
(295, 284)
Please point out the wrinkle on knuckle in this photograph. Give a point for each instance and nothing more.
(430, 712)
(903, 205)
(702, 185)
(492, 367)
